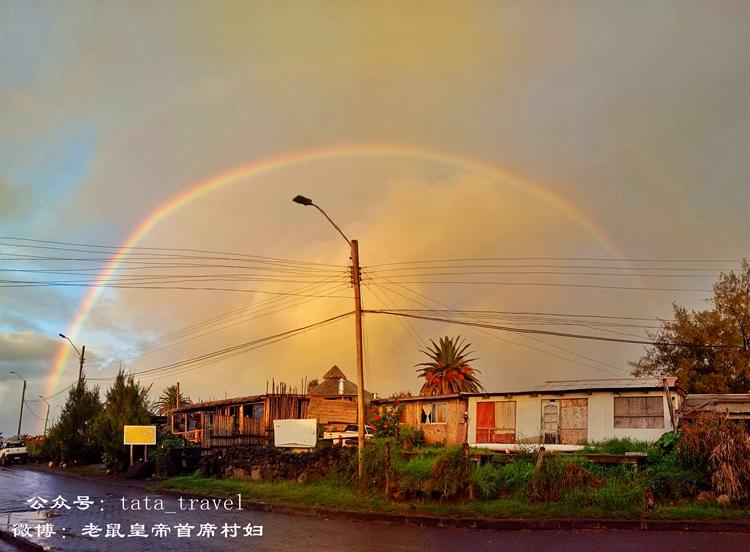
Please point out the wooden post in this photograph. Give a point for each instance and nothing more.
(131, 455)
(468, 470)
(669, 403)
(145, 453)
(388, 468)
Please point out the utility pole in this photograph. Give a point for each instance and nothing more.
(80, 366)
(177, 400)
(356, 280)
(46, 418)
(360, 363)
(23, 399)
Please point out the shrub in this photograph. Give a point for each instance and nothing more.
(410, 437)
(487, 480)
(413, 476)
(720, 448)
(558, 476)
(450, 473)
(385, 420)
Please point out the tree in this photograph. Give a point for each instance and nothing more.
(312, 384)
(168, 400)
(709, 350)
(449, 370)
(126, 404)
(72, 437)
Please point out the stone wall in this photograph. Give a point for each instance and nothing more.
(261, 463)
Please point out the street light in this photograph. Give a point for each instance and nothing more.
(307, 202)
(23, 398)
(46, 418)
(81, 357)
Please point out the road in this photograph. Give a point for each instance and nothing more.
(284, 531)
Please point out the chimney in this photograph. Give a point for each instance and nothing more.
(342, 381)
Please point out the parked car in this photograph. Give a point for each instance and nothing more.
(13, 450)
(349, 435)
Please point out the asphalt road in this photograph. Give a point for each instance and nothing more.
(284, 531)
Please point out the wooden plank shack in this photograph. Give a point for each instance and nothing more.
(237, 421)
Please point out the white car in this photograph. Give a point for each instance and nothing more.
(349, 436)
(13, 450)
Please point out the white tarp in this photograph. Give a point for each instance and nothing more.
(295, 433)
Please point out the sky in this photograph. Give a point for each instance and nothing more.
(524, 136)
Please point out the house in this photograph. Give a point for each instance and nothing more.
(333, 402)
(335, 386)
(574, 412)
(442, 418)
(237, 421)
(735, 406)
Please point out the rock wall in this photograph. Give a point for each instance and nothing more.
(263, 463)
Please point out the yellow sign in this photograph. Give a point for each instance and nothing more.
(139, 435)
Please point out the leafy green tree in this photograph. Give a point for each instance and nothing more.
(168, 400)
(708, 350)
(72, 438)
(126, 404)
(449, 369)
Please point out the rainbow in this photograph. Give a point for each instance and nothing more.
(275, 163)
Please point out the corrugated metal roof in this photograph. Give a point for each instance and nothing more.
(603, 384)
(193, 407)
(424, 398)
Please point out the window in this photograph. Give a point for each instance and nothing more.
(639, 412)
(434, 413)
(496, 421)
(254, 410)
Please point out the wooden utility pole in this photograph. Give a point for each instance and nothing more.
(80, 367)
(20, 415)
(302, 200)
(670, 404)
(177, 400)
(46, 419)
(360, 362)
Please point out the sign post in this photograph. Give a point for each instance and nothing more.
(139, 435)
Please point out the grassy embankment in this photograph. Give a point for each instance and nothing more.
(566, 486)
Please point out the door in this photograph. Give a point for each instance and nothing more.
(550, 421)
(574, 418)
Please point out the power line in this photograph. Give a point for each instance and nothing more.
(117, 249)
(549, 284)
(524, 345)
(554, 333)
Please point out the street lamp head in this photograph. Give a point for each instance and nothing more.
(302, 200)
(62, 335)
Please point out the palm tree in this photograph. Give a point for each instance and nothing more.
(448, 370)
(168, 400)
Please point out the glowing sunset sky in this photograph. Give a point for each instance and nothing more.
(528, 133)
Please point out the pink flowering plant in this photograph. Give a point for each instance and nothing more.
(385, 420)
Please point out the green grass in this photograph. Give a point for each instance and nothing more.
(617, 446)
(611, 501)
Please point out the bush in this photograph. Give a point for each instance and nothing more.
(487, 480)
(450, 473)
(413, 475)
(168, 455)
(720, 448)
(410, 437)
(558, 476)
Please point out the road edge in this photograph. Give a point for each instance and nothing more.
(500, 524)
